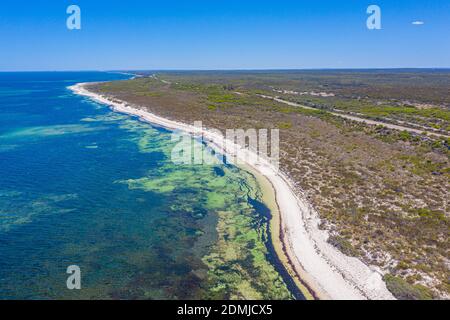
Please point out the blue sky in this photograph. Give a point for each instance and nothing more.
(218, 34)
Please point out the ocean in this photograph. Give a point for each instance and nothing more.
(82, 185)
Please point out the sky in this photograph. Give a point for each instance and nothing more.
(216, 34)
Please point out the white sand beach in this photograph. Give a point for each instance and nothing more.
(326, 271)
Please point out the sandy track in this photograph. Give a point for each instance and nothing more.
(359, 119)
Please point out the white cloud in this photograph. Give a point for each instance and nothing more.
(418, 23)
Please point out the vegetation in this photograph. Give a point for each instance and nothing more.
(343, 245)
(404, 291)
(382, 193)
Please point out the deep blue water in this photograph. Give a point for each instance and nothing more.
(81, 185)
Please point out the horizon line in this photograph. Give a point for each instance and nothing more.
(230, 69)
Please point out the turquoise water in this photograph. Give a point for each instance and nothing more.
(81, 185)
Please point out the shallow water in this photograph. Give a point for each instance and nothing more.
(82, 185)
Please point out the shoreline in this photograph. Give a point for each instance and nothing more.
(318, 268)
(276, 231)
